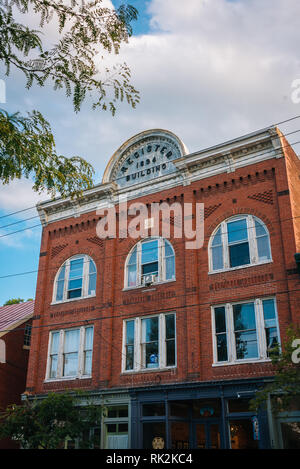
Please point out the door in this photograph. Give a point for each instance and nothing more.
(207, 435)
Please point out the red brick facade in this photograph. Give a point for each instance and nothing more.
(268, 189)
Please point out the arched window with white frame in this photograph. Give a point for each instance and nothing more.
(152, 260)
(76, 278)
(242, 240)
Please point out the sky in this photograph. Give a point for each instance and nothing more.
(207, 70)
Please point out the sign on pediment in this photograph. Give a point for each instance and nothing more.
(146, 156)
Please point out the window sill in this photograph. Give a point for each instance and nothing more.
(67, 378)
(230, 269)
(243, 362)
(138, 287)
(148, 370)
(72, 299)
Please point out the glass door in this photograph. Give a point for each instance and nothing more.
(207, 435)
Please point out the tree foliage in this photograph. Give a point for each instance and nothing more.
(27, 148)
(84, 30)
(46, 423)
(285, 387)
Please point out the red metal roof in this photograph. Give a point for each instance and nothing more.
(13, 314)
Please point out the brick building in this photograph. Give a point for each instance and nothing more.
(15, 333)
(173, 339)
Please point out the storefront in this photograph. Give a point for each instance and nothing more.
(198, 416)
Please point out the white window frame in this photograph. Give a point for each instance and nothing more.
(85, 279)
(138, 365)
(161, 263)
(230, 333)
(60, 355)
(253, 250)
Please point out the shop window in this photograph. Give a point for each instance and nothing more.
(75, 279)
(116, 427)
(149, 343)
(180, 409)
(151, 261)
(239, 241)
(238, 405)
(206, 408)
(154, 435)
(290, 435)
(154, 410)
(70, 353)
(245, 331)
(242, 434)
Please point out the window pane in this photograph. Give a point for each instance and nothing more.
(74, 294)
(170, 326)
(237, 231)
(150, 251)
(132, 275)
(263, 248)
(168, 249)
(132, 259)
(260, 229)
(71, 341)
(92, 278)
(129, 332)
(170, 268)
(53, 366)
(220, 319)
(217, 238)
(217, 257)
(70, 364)
(244, 316)
(170, 359)
(154, 410)
(271, 337)
(269, 309)
(75, 284)
(239, 254)
(222, 348)
(54, 342)
(151, 355)
(246, 345)
(76, 268)
(150, 329)
(89, 332)
(60, 290)
(129, 357)
(88, 362)
(150, 268)
(60, 284)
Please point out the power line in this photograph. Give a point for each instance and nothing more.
(169, 162)
(158, 310)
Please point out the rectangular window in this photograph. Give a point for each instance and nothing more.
(27, 335)
(75, 278)
(129, 345)
(70, 353)
(221, 335)
(238, 244)
(245, 331)
(149, 258)
(149, 342)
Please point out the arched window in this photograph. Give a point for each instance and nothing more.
(75, 279)
(239, 241)
(151, 261)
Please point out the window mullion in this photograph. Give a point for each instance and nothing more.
(252, 240)
(230, 334)
(85, 276)
(60, 358)
(81, 351)
(137, 344)
(260, 328)
(161, 260)
(162, 341)
(224, 238)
